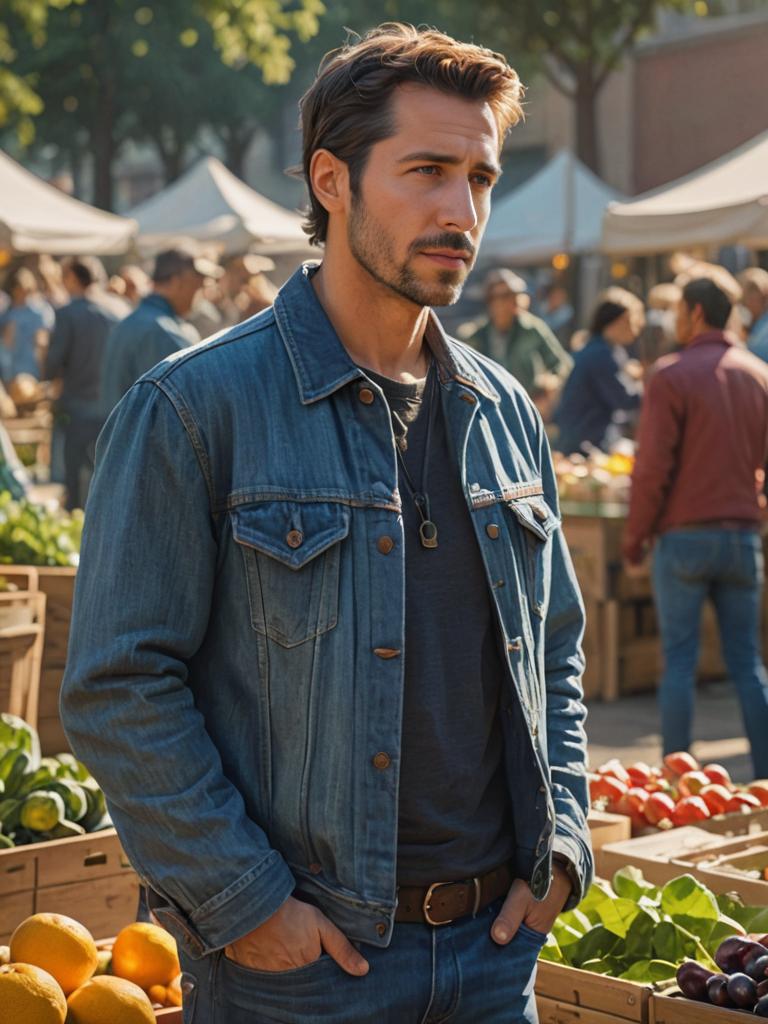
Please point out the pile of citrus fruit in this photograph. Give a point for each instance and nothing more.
(55, 972)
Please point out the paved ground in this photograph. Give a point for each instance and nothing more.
(629, 729)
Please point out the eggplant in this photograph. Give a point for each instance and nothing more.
(757, 968)
(692, 980)
(742, 991)
(728, 955)
(761, 1009)
(717, 990)
(762, 988)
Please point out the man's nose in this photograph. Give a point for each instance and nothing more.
(458, 211)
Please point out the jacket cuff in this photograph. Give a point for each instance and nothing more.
(229, 915)
(578, 866)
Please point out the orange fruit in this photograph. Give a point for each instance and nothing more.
(109, 1000)
(31, 995)
(146, 955)
(173, 992)
(157, 994)
(58, 944)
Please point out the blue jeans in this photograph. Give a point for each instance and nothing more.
(454, 973)
(725, 566)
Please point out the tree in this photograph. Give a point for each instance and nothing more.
(90, 60)
(577, 43)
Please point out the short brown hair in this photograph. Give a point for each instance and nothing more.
(347, 108)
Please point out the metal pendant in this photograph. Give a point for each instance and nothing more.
(428, 534)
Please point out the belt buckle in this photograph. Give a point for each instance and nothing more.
(425, 906)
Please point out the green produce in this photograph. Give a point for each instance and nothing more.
(32, 534)
(641, 932)
(43, 798)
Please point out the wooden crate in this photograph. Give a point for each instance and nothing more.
(88, 877)
(22, 626)
(675, 1009)
(568, 994)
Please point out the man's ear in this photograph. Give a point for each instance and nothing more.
(329, 180)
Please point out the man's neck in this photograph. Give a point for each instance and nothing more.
(379, 329)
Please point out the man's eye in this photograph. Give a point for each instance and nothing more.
(428, 169)
(482, 179)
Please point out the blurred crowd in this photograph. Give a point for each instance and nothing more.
(588, 382)
(73, 338)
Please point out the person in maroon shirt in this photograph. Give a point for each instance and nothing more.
(697, 488)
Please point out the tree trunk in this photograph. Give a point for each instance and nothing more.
(104, 148)
(173, 161)
(585, 102)
(236, 145)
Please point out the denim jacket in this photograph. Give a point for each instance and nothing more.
(236, 651)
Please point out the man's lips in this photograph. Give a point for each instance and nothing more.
(448, 257)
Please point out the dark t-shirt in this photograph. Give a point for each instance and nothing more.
(454, 816)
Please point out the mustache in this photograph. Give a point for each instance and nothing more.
(447, 240)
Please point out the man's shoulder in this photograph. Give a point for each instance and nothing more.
(497, 380)
(239, 349)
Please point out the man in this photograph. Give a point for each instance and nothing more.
(520, 341)
(157, 327)
(697, 488)
(74, 358)
(25, 327)
(754, 282)
(325, 655)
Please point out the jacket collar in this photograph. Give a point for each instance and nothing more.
(321, 363)
(712, 337)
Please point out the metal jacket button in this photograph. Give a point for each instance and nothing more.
(514, 645)
(492, 530)
(385, 545)
(381, 761)
(294, 539)
(366, 396)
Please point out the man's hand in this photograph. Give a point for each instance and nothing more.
(637, 570)
(520, 906)
(294, 936)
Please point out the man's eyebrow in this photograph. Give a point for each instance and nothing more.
(448, 158)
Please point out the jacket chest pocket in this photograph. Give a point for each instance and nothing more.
(292, 553)
(533, 523)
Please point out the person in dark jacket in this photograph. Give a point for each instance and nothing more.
(602, 393)
(75, 358)
(697, 488)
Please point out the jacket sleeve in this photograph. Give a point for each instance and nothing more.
(659, 434)
(142, 603)
(565, 708)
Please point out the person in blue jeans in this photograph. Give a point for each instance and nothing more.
(697, 487)
(325, 656)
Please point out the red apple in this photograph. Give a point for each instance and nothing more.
(692, 783)
(615, 768)
(678, 764)
(716, 798)
(640, 774)
(689, 810)
(742, 803)
(657, 807)
(657, 785)
(607, 788)
(716, 773)
(760, 790)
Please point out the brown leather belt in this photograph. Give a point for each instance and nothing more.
(443, 902)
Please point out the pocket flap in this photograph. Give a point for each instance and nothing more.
(535, 515)
(292, 532)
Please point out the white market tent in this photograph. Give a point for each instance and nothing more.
(559, 209)
(210, 204)
(724, 201)
(36, 217)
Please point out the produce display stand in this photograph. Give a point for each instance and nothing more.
(674, 1009)
(22, 628)
(58, 585)
(31, 435)
(566, 995)
(621, 643)
(89, 875)
(700, 852)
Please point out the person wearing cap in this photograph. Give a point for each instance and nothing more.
(157, 327)
(602, 395)
(514, 337)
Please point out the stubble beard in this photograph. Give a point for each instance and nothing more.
(373, 249)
